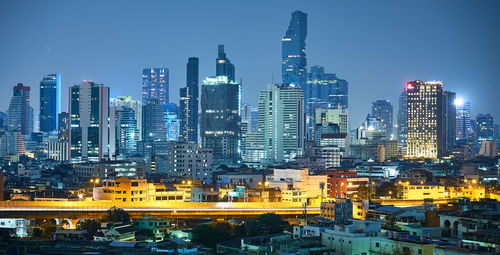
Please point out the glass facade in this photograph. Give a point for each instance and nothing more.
(293, 51)
(382, 110)
(50, 102)
(155, 84)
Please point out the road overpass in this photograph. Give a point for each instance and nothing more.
(95, 209)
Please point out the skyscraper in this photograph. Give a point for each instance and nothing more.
(402, 132)
(485, 130)
(293, 51)
(281, 126)
(189, 102)
(220, 118)
(50, 102)
(431, 119)
(382, 110)
(323, 90)
(464, 127)
(3, 122)
(20, 113)
(155, 84)
(224, 67)
(92, 125)
(63, 128)
(127, 132)
(127, 101)
(334, 116)
(153, 121)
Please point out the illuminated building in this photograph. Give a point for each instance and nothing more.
(11, 143)
(135, 190)
(57, 151)
(484, 128)
(153, 123)
(155, 85)
(136, 106)
(223, 66)
(3, 122)
(20, 114)
(402, 131)
(431, 120)
(343, 183)
(293, 51)
(338, 140)
(322, 90)
(63, 127)
(50, 102)
(464, 127)
(220, 118)
(189, 102)
(173, 127)
(335, 116)
(92, 130)
(110, 169)
(488, 149)
(296, 179)
(126, 130)
(187, 160)
(281, 129)
(382, 110)
(421, 190)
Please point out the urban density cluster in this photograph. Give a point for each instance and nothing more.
(211, 174)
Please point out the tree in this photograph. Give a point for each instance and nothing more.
(363, 192)
(48, 228)
(268, 223)
(387, 189)
(208, 235)
(117, 214)
(91, 225)
(37, 232)
(147, 233)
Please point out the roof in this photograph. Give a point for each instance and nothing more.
(123, 230)
(337, 135)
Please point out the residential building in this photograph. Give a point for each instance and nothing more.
(402, 131)
(344, 183)
(335, 116)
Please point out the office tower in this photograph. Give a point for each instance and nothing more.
(92, 124)
(430, 119)
(402, 132)
(485, 130)
(254, 115)
(153, 121)
(127, 133)
(155, 84)
(464, 127)
(220, 118)
(382, 110)
(324, 128)
(322, 90)
(3, 122)
(223, 65)
(293, 51)
(189, 102)
(173, 126)
(246, 124)
(281, 127)
(135, 105)
(335, 116)
(62, 124)
(50, 102)
(20, 115)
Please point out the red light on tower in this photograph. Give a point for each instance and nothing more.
(409, 85)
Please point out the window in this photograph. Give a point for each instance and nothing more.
(135, 184)
(377, 244)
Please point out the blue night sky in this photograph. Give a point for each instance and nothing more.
(375, 45)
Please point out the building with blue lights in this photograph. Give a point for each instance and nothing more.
(293, 51)
(50, 102)
(155, 84)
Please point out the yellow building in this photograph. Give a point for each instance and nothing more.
(474, 192)
(294, 196)
(421, 190)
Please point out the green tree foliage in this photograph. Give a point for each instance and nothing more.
(148, 233)
(209, 236)
(116, 214)
(91, 225)
(48, 229)
(37, 232)
(363, 192)
(384, 189)
(265, 224)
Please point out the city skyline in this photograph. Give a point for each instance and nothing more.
(377, 54)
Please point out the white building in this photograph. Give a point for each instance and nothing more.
(58, 151)
(19, 225)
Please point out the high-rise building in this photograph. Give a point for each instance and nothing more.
(224, 67)
(322, 90)
(335, 116)
(63, 127)
(189, 101)
(127, 132)
(281, 126)
(3, 122)
(92, 124)
(431, 119)
(155, 84)
(173, 126)
(153, 121)
(463, 119)
(485, 130)
(293, 51)
(50, 102)
(382, 110)
(136, 106)
(402, 132)
(220, 118)
(20, 115)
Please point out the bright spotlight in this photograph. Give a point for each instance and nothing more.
(459, 102)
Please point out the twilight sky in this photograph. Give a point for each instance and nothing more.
(375, 45)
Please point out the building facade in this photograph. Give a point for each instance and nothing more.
(20, 113)
(382, 110)
(189, 102)
(293, 51)
(50, 102)
(153, 122)
(155, 82)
